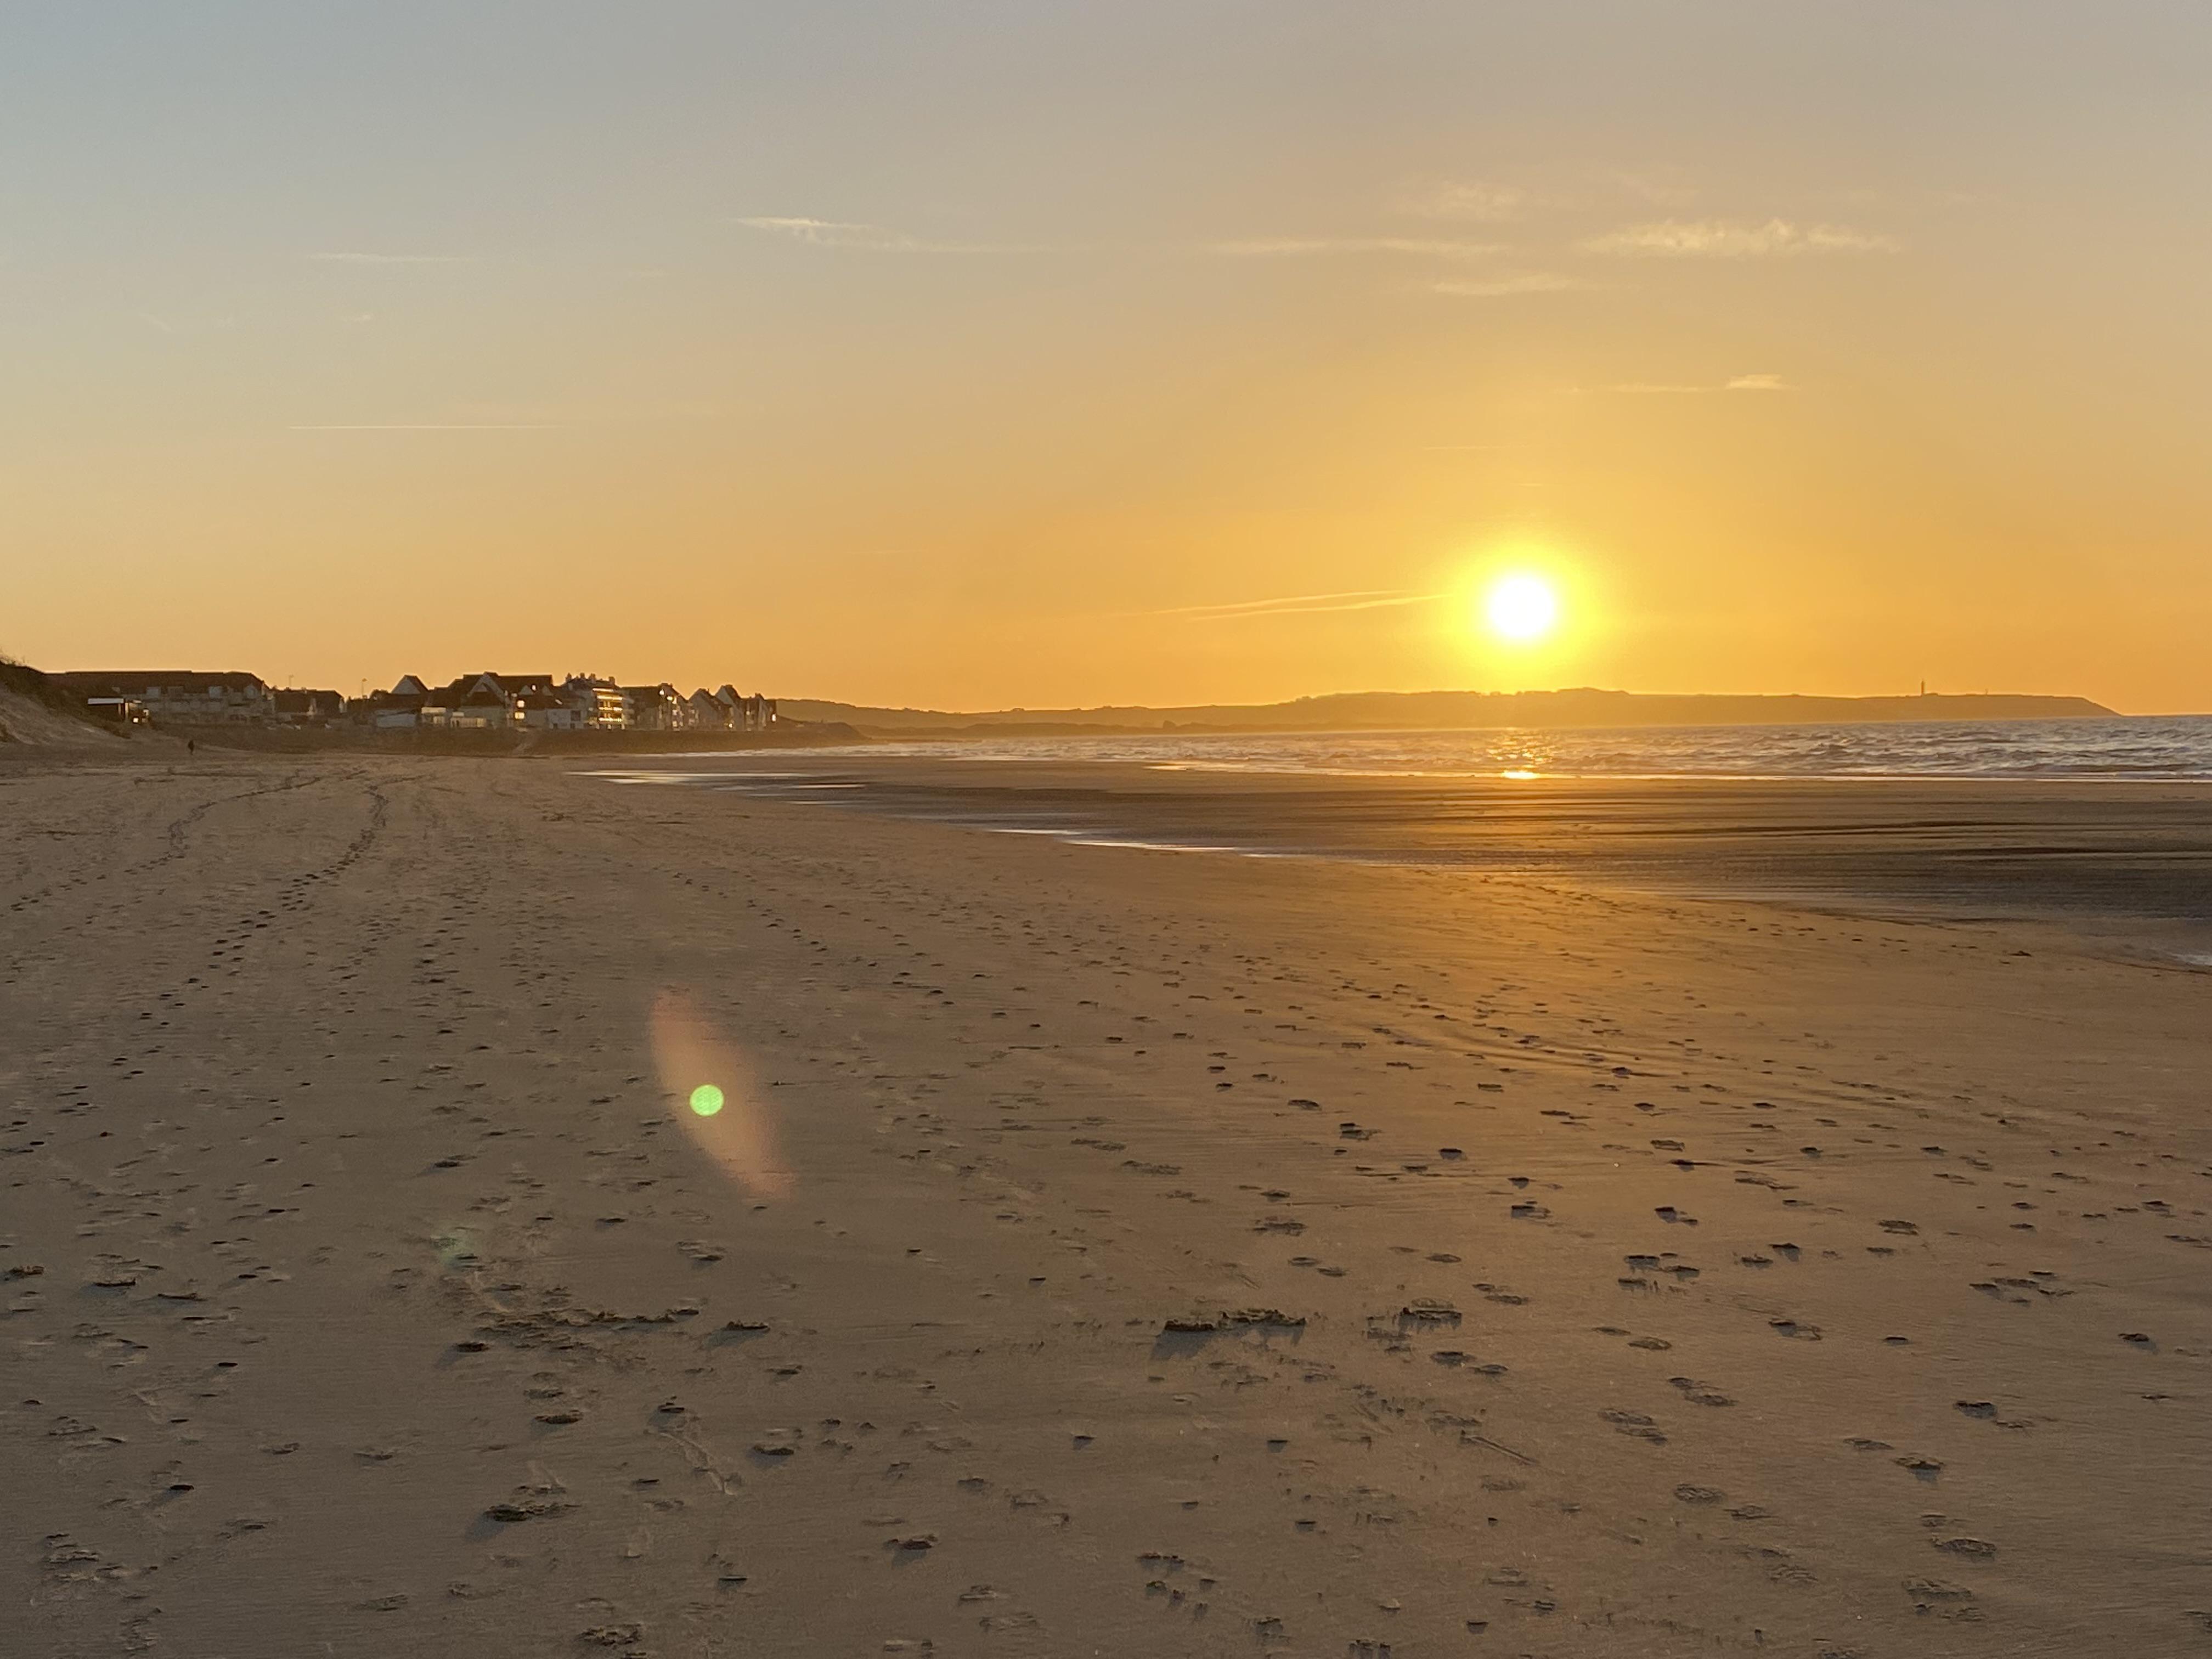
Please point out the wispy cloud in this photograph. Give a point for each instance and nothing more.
(883, 239)
(1730, 239)
(1494, 201)
(1660, 187)
(1293, 247)
(1298, 605)
(1485, 202)
(872, 239)
(359, 258)
(533, 414)
(188, 325)
(1739, 383)
(1496, 288)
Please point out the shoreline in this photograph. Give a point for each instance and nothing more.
(2124, 863)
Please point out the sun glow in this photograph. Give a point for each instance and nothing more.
(1521, 608)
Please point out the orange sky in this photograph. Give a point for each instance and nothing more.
(970, 355)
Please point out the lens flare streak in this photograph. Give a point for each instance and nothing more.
(712, 1090)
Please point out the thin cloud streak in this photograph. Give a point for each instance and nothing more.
(1488, 204)
(1291, 247)
(871, 239)
(883, 239)
(427, 426)
(1739, 383)
(1301, 604)
(1499, 288)
(1726, 239)
(348, 258)
(206, 325)
(1249, 605)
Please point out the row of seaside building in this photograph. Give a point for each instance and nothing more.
(478, 702)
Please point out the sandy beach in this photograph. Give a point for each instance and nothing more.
(1090, 1250)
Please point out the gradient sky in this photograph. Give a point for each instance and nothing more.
(971, 355)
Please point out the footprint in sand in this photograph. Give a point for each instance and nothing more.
(1699, 1393)
(1635, 1424)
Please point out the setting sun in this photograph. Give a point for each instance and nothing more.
(1521, 608)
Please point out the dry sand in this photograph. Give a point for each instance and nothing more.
(1100, 1250)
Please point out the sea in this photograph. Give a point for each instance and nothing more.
(2135, 747)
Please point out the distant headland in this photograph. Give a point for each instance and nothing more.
(544, 713)
(1405, 711)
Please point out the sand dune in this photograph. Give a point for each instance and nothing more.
(26, 722)
(1123, 1253)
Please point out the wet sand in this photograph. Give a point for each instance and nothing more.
(1101, 1249)
(2126, 864)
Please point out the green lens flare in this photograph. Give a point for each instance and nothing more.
(706, 1100)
